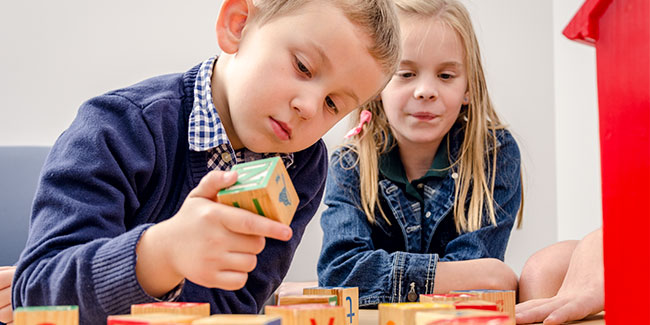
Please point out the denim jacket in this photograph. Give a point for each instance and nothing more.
(397, 263)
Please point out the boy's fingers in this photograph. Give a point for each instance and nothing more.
(212, 183)
(252, 224)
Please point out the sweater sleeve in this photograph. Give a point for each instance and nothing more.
(83, 229)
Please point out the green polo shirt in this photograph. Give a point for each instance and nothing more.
(390, 165)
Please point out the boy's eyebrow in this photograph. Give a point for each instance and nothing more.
(328, 64)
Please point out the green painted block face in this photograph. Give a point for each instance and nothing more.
(46, 308)
(252, 175)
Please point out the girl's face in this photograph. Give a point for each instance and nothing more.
(423, 99)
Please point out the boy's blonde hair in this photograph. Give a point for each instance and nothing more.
(479, 118)
(376, 18)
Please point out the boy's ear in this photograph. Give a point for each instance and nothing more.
(230, 24)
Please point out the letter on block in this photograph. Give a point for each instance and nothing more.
(263, 187)
(310, 314)
(458, 317)
(476, 304)
(505, 299)
(59, 315)
(348, 298)
(239, 320)
(159, 318)
(181, 308)
(308, 299)
(404, 313)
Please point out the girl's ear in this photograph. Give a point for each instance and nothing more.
(230, 24)
(466, 98)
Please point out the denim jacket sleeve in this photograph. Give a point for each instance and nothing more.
(348, 256)
(491, 240)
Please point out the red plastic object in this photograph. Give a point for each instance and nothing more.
(620, 31)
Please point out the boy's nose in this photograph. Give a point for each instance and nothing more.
(306, 107)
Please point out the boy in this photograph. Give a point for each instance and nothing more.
(125, 212)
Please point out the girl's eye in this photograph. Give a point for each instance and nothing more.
(302, 68)
(446, 76)
(332, 106)
(406, 75)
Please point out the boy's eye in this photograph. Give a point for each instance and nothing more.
(302, 68)
(330, 103)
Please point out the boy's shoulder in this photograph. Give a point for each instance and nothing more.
(167, 87)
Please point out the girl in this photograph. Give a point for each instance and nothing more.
(423, 199)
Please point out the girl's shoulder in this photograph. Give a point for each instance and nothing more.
(344, 157)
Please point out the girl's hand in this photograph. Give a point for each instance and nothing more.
(582, 292)
(209, 243)
(6, 276)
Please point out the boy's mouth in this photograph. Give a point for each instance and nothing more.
(281, 129)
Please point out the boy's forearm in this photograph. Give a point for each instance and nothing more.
(153, 270)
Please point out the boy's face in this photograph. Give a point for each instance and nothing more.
(294, 77)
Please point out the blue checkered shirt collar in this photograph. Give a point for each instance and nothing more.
(206, 131)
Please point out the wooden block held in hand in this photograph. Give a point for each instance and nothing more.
(404, 313)
(59, 315)
(312, 314)
(348, 298)
(182, 308)
(157, 318)
(308, 299)
(263, 187)
(239, 320)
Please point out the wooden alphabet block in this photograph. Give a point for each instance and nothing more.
(182, 308)
(505, 299)
(404, 313)
(59, 315)
(239, 320)
(308, 299)
(309, 314)
(447, 297)
(348, 298)
(458, 317)
(476, 304)
(263, 187)
(145, 319)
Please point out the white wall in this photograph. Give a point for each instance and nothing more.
(57, 54)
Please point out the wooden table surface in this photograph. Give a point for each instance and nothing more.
(371, 317)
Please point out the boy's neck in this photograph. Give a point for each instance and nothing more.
(417, 158)
(220, 101)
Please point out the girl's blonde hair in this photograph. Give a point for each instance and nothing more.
(480, 123)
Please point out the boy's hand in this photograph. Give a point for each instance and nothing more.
(209, 243)
(6, 276)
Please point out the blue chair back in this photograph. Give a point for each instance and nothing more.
(19, 171)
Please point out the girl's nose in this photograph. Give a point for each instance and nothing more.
(425, 92)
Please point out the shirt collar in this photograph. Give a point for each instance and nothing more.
(390, 164)
(206, 131)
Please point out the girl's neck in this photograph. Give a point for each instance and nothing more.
(417, 157)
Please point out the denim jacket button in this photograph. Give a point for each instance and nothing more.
(428, 214)
(420, 185)
(412, 296)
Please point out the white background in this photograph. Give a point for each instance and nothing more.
(56, 54)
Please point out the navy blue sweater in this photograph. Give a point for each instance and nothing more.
(122, 166)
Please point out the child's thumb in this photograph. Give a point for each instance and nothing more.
(212, 183)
